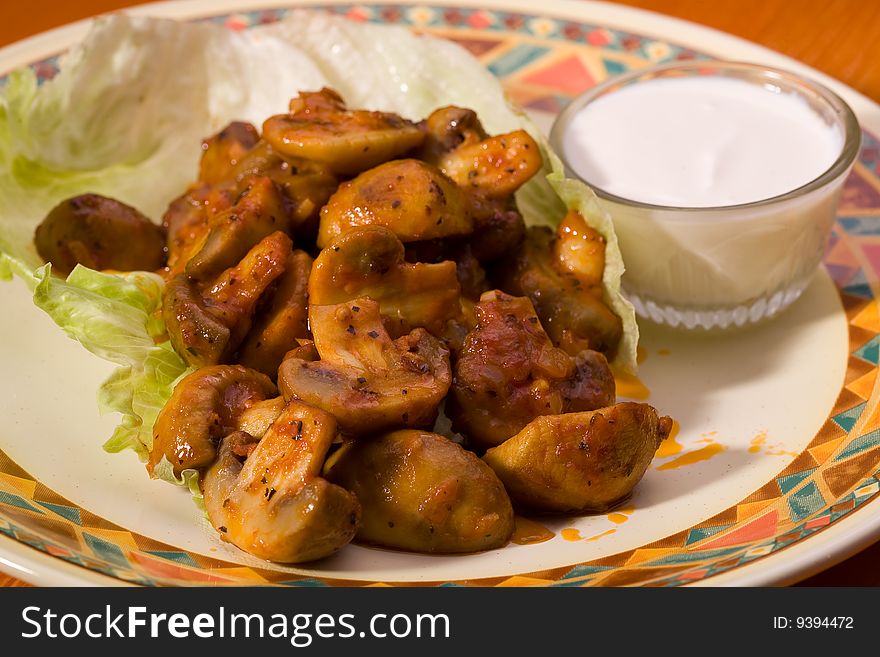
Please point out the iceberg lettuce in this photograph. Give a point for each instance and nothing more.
(125, 115)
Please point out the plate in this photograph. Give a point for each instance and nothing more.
(769, 477)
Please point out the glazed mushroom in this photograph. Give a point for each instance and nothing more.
(412, 198)
(508, 373)
(580, 462)
(579, 250)
(321, 129)
(448, 128)
(222, 152)
(207, 327)
(572, 311)
(99, 233)
(496, 166)
(188, 220)
(204, 406)
(422, 492)
(369, 262)
(258, 212)
(368, 381)
(275, 505)
(306, 186)
(284, 320)
(256, 419)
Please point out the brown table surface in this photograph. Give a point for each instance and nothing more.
(838, 37)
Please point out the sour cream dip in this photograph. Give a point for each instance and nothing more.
(700, 142)
(722, 180)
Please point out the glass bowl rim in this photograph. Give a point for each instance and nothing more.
(848, 154)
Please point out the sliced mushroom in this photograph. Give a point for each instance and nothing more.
(306, 186)
(312, 103)
(448, 128)
(222, 152)
(204, 407)
(412, 198)
(367, 381)
(496, 166)
(207, 327)
(579, 249)
(257, 418)
(573, 314)
(580, 462)
(197, 332)
(369, 262)
(508, 373)
(276, 505)
(258, 212)
(187, 222)
(99, 233)
(346, 141)
(422, 492)
(284, 321)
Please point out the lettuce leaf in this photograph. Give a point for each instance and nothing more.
(115, 318)
(124, 118)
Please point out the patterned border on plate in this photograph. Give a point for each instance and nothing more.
(544, 62)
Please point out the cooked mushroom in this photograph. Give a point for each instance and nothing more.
(580, 462)
(369, 262)
(187, 222)
(346, 141)
(448, 128)
(508, 373)
(222, 152)
(207, 327)
(204, 406)
(412, 198)
(284, 321)
(257, 418)
(306, 186)
(422, 492)
(316, 103)
(579, 249)
(276, 505)
(573, 313)
(99, 233)
(258, 212)
(367, 381)
(496, 166)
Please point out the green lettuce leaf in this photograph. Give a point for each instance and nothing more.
(126, 113)
(116, 318)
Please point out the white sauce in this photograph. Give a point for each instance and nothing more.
(699, 142)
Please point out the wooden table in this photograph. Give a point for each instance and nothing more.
(838, 37)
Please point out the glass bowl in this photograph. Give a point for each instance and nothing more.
(728, 265)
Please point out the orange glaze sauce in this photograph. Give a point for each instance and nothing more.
(629, 385)
(689, 458)
(670, 446)
(572, 534)
(621, 515)
(529, 532)
(758, 442)
(602, 535)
